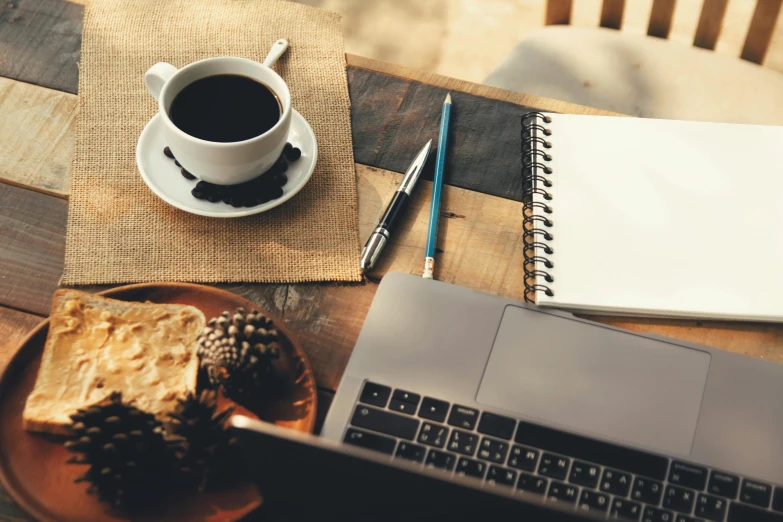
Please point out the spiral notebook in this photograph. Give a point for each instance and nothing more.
(653, 217)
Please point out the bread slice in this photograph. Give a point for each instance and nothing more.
(97, 346)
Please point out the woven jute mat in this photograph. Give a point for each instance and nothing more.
(119, 231)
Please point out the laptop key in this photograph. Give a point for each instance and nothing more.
(756, 493)
(777, 500)
(686, 518)
(371, 441)
(593, 502)
(497, 425)
(523, 458)
(647, 490)
(688, 475)
(433, 409)
(562, 492)
(625, 510)
(463, 417)
(584, 474)
(470, 468)
(463, 442)
(723, 484)
(493, 450)
(408, 451)
(553, 466)
(501, 476)
(440, 460)
(433, 435)
(744, 513)
(651, 514)
(679, 499)
(403, 396)
(532, 484)
(712, 508)
(616, 482)
(375, 394)
(402, 407)
(385, 422)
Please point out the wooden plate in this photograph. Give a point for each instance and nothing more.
(33, 469)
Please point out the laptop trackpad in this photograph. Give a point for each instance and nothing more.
(596, 381)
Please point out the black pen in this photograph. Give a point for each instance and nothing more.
(399, 202)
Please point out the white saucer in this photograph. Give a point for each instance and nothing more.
(163, 177)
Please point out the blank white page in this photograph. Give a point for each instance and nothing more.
(668, 218)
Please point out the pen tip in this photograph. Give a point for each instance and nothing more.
(448, 98)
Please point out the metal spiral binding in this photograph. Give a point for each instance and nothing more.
(537, 233)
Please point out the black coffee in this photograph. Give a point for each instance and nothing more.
(225, 108)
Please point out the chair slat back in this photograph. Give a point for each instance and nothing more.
(612, 14)
(710, 23)
(762, 25)
(661, 18)
(757, 40)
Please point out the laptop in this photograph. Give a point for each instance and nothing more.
(497, 403)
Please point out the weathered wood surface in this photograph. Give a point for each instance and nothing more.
(40, 42)
(393, 117)
(40, 156)
(32, 235)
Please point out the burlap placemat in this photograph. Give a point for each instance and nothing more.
(119, 231)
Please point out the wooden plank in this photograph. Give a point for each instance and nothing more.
(558, 12)
(661, 18)
(612, 14)
(39, 157)
(476, 89)
(392, 118)
(40, 42)
(760, 32)
(710, 23)
(32, 232)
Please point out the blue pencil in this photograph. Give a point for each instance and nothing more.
(437, 185)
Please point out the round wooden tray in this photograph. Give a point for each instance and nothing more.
(33, 468)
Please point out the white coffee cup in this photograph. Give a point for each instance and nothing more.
(220, 162)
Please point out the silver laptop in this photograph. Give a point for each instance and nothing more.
(543, 404)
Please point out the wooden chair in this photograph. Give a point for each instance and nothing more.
(707, 32)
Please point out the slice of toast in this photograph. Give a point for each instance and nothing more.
(98, 345)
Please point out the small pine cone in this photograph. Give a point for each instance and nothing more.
(130, 461)
(206, 449)
(239, 353)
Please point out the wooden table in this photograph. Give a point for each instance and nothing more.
(394, 111)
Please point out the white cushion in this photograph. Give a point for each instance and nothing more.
(641, 76)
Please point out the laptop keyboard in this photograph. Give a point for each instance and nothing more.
(593, 476)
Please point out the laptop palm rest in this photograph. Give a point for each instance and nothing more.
(614, 385)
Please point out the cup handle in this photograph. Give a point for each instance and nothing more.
(276, 52)
(157, 76)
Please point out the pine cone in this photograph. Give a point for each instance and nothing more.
(237, 351)
(129, 459)
(206, 447)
